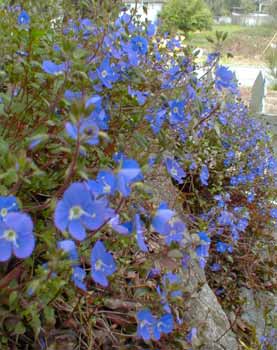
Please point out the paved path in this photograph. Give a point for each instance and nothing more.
(246, 75)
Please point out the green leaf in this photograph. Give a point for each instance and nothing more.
(20, 328)
(13, 298)
(49, 314)
(175, 253)
(36, 324)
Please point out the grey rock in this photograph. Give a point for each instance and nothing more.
(258, 94)
(203, 308)
(258, 308)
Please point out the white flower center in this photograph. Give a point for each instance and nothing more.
(174, 171)
(75, 212)
(107, 188)
(104, 74)
(4, 212)
(98, 265)
(159, 325)
(10, 235)
(175, 110)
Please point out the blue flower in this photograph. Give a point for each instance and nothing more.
(171, 278)
(16, 236)
(107, 181)
(175, 170)
(78, 276)
(202, 252)
(225, 218)
(151, 328)
(52, 68)
(119, 157)
(76, 211)
(88, 131)
(35, 142)
(204, 237)
(221, 247)
(164, 325)
(139, 95)
(215, 267)
(176, 111)
(152, 160)
(123, 229)
(56, 48)
(242, 224)
(140, 233)
(160, 221)
(151, 29)
(69, 247)
(219, 291)
(86, 26)
(139, 45)
(102, 264)
(154, 272)
(128, 173)
(273, 213)
(94, 100)
(106, 73)
(23, 18)
(70, 95)
(191, 335)
(224, 78)
(100, 116)
(176, 232)
(7, 205)
(157, 120)
(146, 323)
(204, 175)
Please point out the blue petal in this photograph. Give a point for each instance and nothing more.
(140, 236)
(53, 68)
(20, 223)
(161, 219)
(5, 249)
(69, 246)
(78, 276)
(97, 251)
(123, 186)
(166, 323)
(77, 230)
(77, 194)
(100, 278)
(130, 169)
(71, 130)
(25, 245)
(61, 215)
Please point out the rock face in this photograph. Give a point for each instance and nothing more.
(203, 309)
(215, 333)
(258, 309)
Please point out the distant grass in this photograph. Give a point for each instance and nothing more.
(244, 42)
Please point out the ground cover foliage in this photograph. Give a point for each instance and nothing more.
(92, 103)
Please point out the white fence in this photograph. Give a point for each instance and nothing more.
(251, 19)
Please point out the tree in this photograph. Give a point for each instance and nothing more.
(248, 5)
(273, 9)
(186, 15)
(218, 7)
(221, 7)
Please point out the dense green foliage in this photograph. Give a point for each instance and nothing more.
(224, 7)
(185, 15)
